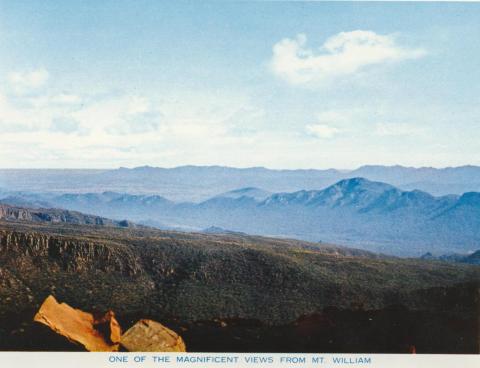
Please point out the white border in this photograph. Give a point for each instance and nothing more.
(148, 360)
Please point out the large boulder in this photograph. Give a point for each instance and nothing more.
(80, 327)
(148, 335)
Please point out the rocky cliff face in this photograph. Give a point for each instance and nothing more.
(235, 289)
(71, 255)
(12, 213)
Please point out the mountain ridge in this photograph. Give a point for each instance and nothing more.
(197, 183)
(54, 215)
(355, 212)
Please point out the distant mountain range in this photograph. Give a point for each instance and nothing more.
(198, 183)
(356, 212)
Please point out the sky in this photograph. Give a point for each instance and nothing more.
(104, 84)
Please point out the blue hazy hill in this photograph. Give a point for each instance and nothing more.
(367, 214)
(199, 183)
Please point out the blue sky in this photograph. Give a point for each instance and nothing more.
(275, 84)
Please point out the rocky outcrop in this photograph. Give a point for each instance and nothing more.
(104, 333)
(78, 326)
(11, 213)
(70, 254)
(148, 335)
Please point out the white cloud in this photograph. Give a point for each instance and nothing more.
(56, 100)
(330, 123)
(19, 118)
(121, 129)
(323, 131)
(342, 54)
(119, 115)
(26, 81)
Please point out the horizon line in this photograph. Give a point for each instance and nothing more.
(242, 168)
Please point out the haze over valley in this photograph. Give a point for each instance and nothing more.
(352, 211)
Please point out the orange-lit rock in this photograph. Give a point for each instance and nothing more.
(148, 335)
(78, 326)
(113, 327)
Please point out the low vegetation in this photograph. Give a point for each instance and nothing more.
(185, 278)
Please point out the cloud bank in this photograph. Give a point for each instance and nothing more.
(27, 81)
